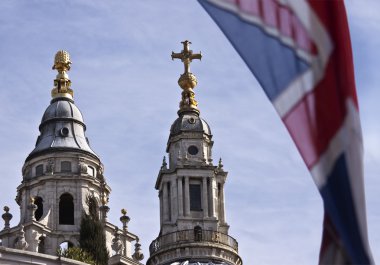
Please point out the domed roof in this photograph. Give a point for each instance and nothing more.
(62, 109)
(189, 122)
(62, 129)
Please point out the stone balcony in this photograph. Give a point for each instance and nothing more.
(194, 244)
(189, 236)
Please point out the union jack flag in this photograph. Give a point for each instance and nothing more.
(300, 52)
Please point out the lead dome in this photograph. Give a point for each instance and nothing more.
(190, 122)
(62, 109)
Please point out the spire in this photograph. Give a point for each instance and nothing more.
(187, 80)
(164, 164)
(62, 81)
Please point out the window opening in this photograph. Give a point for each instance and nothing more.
(41, 244)
(92, 207)
(66, 245)
(195, 197)
(193, 150)
(91, 171)
(40, 208)
(198, 233)
(39, 170)
(66, 209)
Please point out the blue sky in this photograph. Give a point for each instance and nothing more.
(125, 84)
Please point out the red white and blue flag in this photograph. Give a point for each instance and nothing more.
(300, 52)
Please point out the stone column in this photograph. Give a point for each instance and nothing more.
(212, 198)
(165, 201)
(161, 207)
(180, 197)
(205, 197)
(173, 200)
(222, 215)
(187, 197)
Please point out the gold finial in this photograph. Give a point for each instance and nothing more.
(62, 82)
(187, 80)
(62, 61)
(186, 55)
(123, 211)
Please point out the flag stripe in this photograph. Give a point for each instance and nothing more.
(282, 64)
(317, 118)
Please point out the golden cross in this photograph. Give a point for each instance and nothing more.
(186, 55)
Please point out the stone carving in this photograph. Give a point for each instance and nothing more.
(21, 242)
(124, 219)
(7, 217)
(117, 244)
(18, 198)
(82, 167)
(32, 208)
(50, 167)
(164, 164)
(220, 164)
(138, 255)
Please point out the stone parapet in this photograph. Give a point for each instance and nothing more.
(206, 244)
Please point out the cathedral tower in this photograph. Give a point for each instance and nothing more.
(60, 176)
(191, 189)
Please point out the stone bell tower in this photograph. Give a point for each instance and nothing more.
(59, 175)
(191, 189)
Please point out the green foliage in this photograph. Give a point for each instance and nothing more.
(92, 238)
(77, 254)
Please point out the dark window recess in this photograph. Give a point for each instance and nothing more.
(66, 209)
(92, 207)
(193, 150)
(40, 208)
(195, 197)
(41, 244)
(39, 170)
(198, 233)
(65, 166)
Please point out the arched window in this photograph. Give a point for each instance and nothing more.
(65, 245)
(198, 233)
(66, 209)
(65, 166)
(41, 244)
(92, 207)
(40, 208)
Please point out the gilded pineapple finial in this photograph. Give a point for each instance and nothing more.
(187, 80)
(62, 82)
